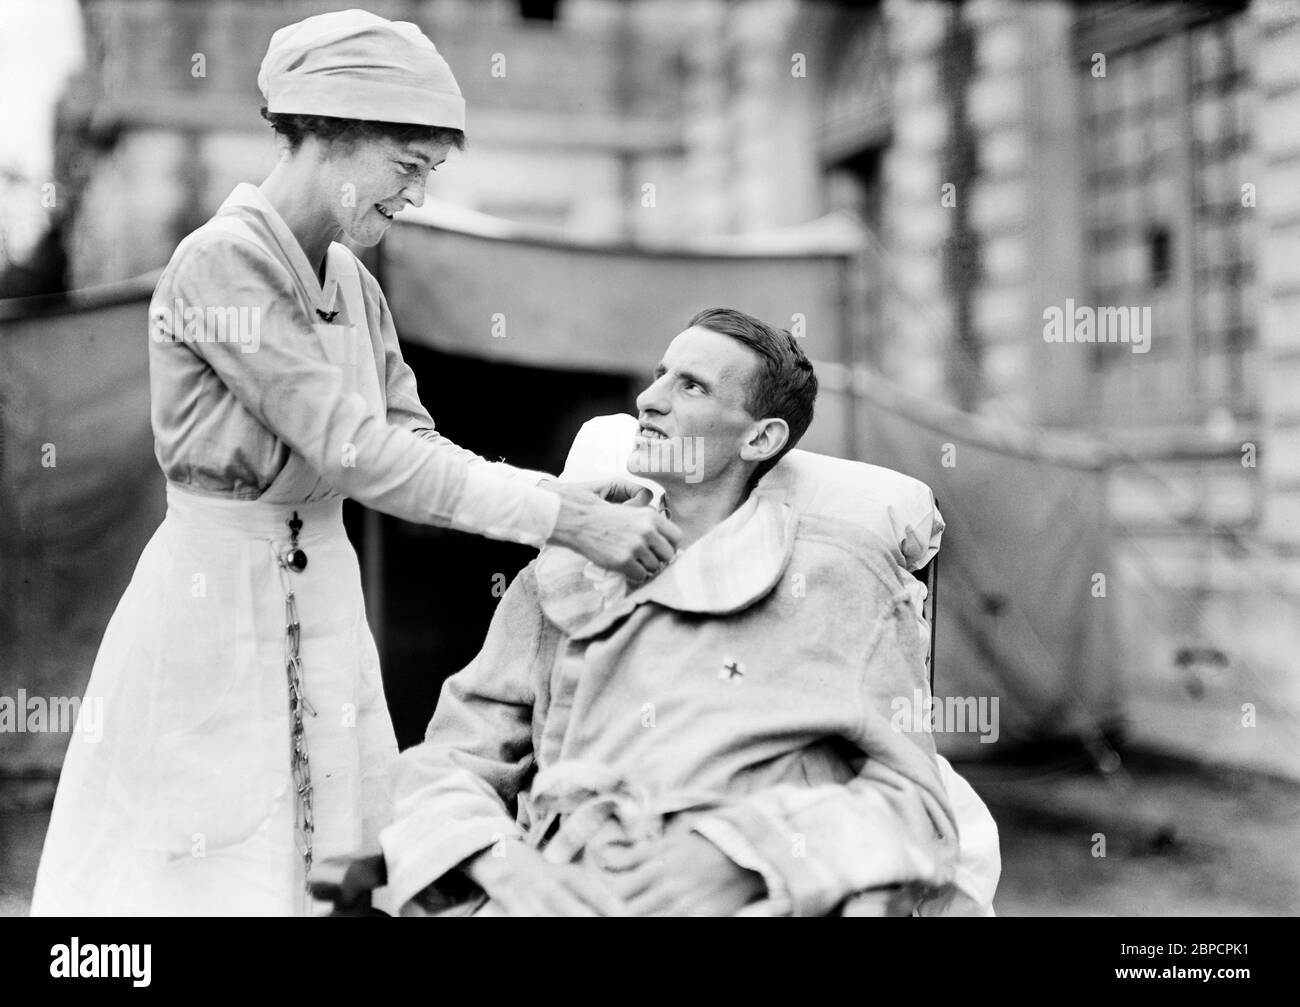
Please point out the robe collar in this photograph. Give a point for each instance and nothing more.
(247, 198)
(727, 570)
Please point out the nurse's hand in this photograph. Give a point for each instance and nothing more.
(617, 490)
(635, 541)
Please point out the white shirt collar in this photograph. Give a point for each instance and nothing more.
(323, 298)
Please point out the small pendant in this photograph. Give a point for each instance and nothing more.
(293, 557)
(327, 316)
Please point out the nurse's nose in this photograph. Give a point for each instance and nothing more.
(414, 193)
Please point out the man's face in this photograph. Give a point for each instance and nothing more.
(693, 416)
(366, 185)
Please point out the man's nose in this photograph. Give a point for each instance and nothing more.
(653, 399)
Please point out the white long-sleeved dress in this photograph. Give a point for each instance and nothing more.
(272, 395)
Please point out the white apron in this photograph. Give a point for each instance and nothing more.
(185, 805)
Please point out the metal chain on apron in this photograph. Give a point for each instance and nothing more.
(293, 559)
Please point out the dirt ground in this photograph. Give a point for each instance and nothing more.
(1180, 839)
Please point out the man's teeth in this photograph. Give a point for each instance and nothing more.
(383, 211)
(653, 435)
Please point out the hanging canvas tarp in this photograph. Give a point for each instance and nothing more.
(1019, 618)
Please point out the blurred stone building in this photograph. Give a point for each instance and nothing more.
(1010, 158)
(567, 109)
(1006, 158)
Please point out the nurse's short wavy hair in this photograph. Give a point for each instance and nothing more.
(349, 132)
(784, 385)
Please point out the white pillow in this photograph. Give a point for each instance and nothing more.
(897, 508)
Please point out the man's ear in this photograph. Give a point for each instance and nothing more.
(766, 438)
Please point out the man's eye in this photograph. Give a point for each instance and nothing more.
(407, 167)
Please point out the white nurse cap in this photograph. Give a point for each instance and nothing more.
(354, 65)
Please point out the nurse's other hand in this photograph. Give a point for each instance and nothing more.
(634, 541)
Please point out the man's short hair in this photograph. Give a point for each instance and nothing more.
(784, 385)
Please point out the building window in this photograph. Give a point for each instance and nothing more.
(854, 132)
(1166, 140)
(1159, 252)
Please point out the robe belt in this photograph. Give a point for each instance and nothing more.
(582, 808)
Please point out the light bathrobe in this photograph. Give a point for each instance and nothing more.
(186, 804)
(745, 692)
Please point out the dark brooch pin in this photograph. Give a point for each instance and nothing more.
(293, 557)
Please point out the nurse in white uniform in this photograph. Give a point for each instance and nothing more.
(245, 728)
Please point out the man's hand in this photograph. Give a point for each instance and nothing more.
(635, 541)
(523, 883)
(683, 874)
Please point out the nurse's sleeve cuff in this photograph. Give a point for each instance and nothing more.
(503, 507)
(529, 477)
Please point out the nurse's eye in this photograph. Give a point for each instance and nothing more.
(408, 167)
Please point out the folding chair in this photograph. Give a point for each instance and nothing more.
(929, 576)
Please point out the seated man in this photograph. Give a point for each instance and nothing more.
(715, 739)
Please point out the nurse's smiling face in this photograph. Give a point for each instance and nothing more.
(363, 185)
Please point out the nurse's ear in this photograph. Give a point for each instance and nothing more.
(283, 149)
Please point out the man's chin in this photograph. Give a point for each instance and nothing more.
(639, 464)
(636, 467)
(669, 460)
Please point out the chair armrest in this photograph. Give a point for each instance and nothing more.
(347, 882)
